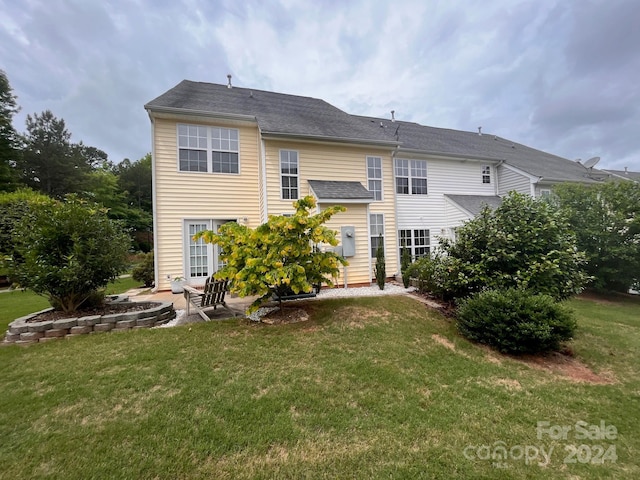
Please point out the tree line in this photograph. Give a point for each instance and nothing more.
(46, 160)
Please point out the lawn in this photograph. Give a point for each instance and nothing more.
(367, 388)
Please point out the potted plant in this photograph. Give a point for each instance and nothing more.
(177, 284)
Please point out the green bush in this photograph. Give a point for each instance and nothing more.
(524, 243)
(67, 251)
(515, 321)
(405, 263)
(144, 271)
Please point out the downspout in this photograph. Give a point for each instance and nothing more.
(265, 196)
(498, 178)
(395, 205)
(156, 273)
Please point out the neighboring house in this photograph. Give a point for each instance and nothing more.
(623, 174)
(223, 153)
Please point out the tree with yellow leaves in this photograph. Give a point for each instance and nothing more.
(279, 256)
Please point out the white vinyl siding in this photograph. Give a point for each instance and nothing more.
(374, 177)
(433, 213)
(508, 181)
(411, 177)
(208, 149)
(289, 180)
(376, 229)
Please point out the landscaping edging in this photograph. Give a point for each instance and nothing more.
(22, 332)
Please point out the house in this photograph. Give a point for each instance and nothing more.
(625, 174)
(222, 153)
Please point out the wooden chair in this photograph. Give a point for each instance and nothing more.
(212, 296)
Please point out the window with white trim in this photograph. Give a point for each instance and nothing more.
(416, 241)
(208, 149)
(545, 193)
(289, 174)
(374, 176)
(486, 174)
(376, 229)
(411, 177)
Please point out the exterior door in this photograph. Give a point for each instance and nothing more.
(201, 259)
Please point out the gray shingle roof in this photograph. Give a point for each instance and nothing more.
(415, 137)
(275, 113)
(334, 190)
(292, 115)
(625, 174)
(475, 203)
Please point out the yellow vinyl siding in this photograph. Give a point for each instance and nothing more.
(195, 195)
(317, 161)
(359, 265)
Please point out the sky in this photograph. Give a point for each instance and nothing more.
(562, 76)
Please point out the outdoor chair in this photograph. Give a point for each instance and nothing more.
(212, 296)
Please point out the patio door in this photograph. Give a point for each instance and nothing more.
(201, 259)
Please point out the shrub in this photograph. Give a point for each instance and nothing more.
(144, 271)
(515, 321)
(381, 266)
(405, 263)
(524, 243)
(67, 251)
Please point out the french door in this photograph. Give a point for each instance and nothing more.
(201, 259)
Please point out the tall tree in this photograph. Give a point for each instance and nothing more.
(134, 179)
(50, 162)
(8, 137)
(606, 219)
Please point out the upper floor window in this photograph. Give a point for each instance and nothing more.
(208, 149)
(411, 177)
(374, 176)
(486, 174)
(289, 174)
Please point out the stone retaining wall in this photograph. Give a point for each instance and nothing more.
(21, 331)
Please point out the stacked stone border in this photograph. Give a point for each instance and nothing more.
(22, 332)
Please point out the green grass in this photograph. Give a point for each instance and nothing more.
(367, 388)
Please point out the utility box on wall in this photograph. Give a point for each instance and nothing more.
(348, 241)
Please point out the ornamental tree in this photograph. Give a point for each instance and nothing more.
(280, 255)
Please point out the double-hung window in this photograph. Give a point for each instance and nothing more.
(416, 241)
(411, 177)
(374, 176)
(208, 149)
(486, 174)
(289, 174)
(376, 230)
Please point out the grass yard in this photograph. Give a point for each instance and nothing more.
(367, 388)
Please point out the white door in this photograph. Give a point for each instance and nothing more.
(201, 258)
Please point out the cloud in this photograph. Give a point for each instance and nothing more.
(557, 75)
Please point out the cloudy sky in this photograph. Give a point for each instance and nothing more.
(558, 75)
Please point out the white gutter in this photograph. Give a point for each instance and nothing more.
(263, 165)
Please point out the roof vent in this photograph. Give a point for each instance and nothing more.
(251, 93)
(381, 125)
(626, 170)
(393, 115)
(229, 81)
(480, 131)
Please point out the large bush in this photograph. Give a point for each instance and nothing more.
(606, 219)
(515, 321)
(524, 243)
(144, 271)
(67, 251)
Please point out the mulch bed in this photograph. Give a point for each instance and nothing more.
(105, 310)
